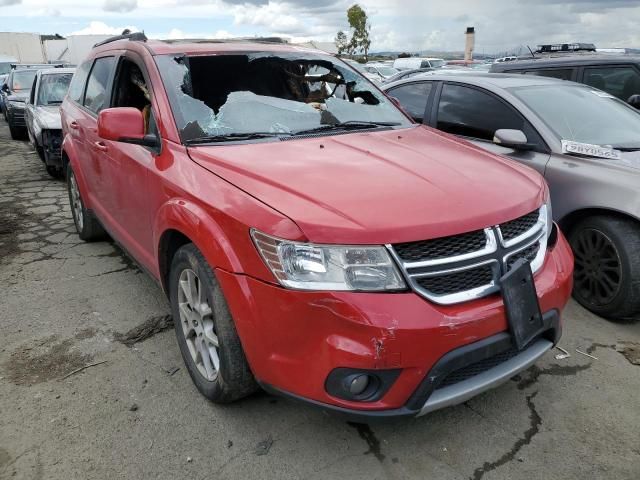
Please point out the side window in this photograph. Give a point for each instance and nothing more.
(472, 113)
(621, 82)
(96, 98)
(76, 89)
(561, 73)
(413, 98)
(131, 90)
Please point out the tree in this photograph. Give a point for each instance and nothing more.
(358, 21)
(342, 42)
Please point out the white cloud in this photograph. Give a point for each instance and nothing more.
(101, 28)
(120, 6)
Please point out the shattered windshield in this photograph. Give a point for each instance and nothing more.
(53, 88)
(223, 97)
(23, 79)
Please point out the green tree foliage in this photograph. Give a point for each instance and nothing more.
(360, 29)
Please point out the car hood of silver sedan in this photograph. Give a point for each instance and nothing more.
(48, 116)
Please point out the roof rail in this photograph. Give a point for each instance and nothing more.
(134, 37)
(277, 40)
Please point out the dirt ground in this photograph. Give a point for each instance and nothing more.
(133, 412)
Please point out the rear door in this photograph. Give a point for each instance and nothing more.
(96, 98)
(475, 114)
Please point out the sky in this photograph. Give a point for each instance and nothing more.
(396, 25)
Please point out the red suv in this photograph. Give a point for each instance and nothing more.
(311, 239)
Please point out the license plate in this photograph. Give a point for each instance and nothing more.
(521, 304)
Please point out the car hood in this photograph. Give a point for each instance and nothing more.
(380, 187)
(631, 160)
(18, 96)
(48, 116)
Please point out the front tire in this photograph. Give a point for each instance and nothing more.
(607, 266)
(87, 226)
(205, 330)
(16, 133)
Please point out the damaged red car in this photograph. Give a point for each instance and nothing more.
(311, 239)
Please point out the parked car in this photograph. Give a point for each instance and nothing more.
(402, 74)
(584, 141)
(370, 74)
(618, 75)
(43, 115)
(505, 59)
(411, 63)
(311, 238)
(382, 71)
(15, 91)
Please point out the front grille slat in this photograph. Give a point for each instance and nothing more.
(477, 368)
(467, 266)
(442, 247)
(517, 227)
(459, 281)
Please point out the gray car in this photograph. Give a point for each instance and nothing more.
(42, 115)
(584, 141)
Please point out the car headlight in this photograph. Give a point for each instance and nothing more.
(14, 104)
(306, 266)
(547, 214)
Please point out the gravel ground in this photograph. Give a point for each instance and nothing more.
(134, 412)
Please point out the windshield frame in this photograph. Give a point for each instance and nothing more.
(177, 111)
(538, 120)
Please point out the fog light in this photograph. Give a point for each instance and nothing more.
(359, 384)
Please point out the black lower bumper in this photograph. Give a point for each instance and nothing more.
(15, 117)
(458, 365)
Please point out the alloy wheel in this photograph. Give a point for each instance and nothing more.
(598, 269)
(76, 202)
(196, 318)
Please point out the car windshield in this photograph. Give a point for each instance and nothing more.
(584, 115)
(23, 79)
(53, 88)
(5, 68)
(270, 94)
(387, 71)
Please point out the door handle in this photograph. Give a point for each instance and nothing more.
(73, 124)
(100, 146)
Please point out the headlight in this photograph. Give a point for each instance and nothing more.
(14, 104)
(305, 266)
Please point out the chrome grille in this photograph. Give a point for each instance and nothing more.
(441, 247)
(464, 267)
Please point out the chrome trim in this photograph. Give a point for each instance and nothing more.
(542, 220)
(458, 297)
(538, 239)
(463, 391)
(491, 246)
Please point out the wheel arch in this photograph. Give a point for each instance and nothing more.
(570, 220)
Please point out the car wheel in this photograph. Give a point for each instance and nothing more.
(607, 266)
(16, 133)
(40, 152)
(87, 226)
(54, 172)
(205, 330)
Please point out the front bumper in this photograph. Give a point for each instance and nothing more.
(293, 340)
(15, 116)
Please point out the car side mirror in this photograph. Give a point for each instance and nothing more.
(125, 125)
(634, 101)
(5, 87)
(509, 138)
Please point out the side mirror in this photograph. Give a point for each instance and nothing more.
(515, 139)
(5, 87)
(634, 101)
(126, 125)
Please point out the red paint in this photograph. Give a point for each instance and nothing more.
(361, 188)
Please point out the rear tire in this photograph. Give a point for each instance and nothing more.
(54, 172)
(87, 225)
(205, 330)
(607, 266)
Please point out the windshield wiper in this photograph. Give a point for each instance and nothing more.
(233, 137)
(349, 125)
(54, 102)
(627, 149)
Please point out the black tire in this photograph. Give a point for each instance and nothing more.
(54, 172)
(16, 133)
(40, 152)
(607, 272)
(87, 225)
(233, 379)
